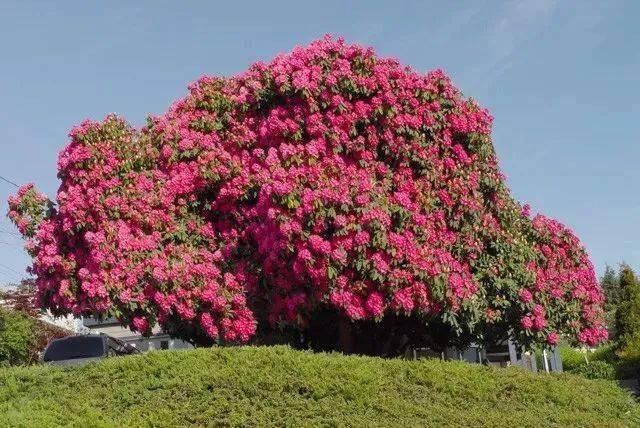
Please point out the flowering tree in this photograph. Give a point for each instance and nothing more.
(327, 180)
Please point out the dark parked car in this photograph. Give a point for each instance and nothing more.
(80, 350)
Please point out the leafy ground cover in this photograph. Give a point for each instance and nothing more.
(266, 386)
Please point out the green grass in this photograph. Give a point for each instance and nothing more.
(277, 386)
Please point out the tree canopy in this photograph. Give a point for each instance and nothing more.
(628, 314)
(329, 179)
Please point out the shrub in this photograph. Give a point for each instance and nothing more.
(16, 336)
(605, 356)
(595, 370)
(22, 336)
(604, 352)
(276, 386)
(330, 187)
(572, 358)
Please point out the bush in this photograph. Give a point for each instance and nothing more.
(23, 337)
(571, 357)
(16, 337)
(276, 386)
(607, 363)
(595, 370)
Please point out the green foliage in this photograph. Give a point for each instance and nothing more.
(22, 336)
(604, 353)
(16, 334)
(628, 315)
(572, 358)
(610, 283)
(608, 365)
(596, 370)
(277, 386)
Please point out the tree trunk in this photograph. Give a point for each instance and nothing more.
(345, 335)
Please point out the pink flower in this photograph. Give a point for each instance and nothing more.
(526, 322)
(361, 238)
(319, 245)
(380, 263)
(539, 323)
(403, 300)
(305, 255)
(140, 324)
(538, 310)
(375, 304)
(525, 296)
(208, 324)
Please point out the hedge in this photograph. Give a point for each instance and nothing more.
(277, 386)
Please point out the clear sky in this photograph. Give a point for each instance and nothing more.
(562, 79)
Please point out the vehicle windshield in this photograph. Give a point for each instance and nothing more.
(74, 347)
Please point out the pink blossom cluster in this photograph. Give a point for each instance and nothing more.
(329, 177)
(566, 291)
(26, 209)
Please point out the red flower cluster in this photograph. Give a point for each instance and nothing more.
(329, 177)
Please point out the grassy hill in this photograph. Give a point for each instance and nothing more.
(260, 386)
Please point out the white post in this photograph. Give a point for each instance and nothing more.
(545, 362)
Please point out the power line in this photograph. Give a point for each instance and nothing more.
(11, 276)
(9, 283)
(11, 244)
(10, 280)
(9, 181)
(9, 232)
(15, 244)
(6, 180)
(10, 268)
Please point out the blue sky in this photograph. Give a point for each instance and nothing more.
(561, 78)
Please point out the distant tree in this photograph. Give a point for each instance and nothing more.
(610, 283)
(628, 314)
(21, 298)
